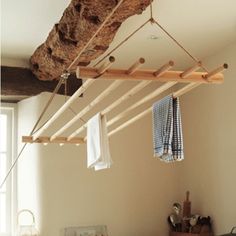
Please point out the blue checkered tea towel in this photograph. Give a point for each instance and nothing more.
(167, 130)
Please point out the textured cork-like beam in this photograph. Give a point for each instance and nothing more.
(79, 22)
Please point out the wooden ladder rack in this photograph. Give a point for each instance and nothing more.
(163, 74)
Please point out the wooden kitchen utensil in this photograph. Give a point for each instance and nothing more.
(187, 206)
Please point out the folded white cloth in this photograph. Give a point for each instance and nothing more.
(98, 152)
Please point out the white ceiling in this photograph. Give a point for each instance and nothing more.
(202, 26)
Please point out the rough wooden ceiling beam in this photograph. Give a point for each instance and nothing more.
(79, 22)
(19, 83)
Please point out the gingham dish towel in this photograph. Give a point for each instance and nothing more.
(167, 130)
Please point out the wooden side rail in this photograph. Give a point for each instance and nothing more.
(168, 76)
(46, 140)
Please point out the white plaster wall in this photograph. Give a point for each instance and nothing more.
(27, 166)
(209, 171)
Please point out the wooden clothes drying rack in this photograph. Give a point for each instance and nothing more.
(163, 74)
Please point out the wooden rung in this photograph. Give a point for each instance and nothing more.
(190, 70)
(45, 140)
(106, 65)
(215, 72)
(135, 66)
(76, 132)
(163, 69)
(185, 89)
(130, 121)
(126, 96)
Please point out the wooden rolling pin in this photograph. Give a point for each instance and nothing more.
(187, 206)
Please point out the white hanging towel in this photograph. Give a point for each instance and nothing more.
(98, 153)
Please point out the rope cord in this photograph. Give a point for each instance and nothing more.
(34, 130)
(181, 46)
(151, 11)
(13, 165)
(65, 90)
(47, 105)
(153, 21)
